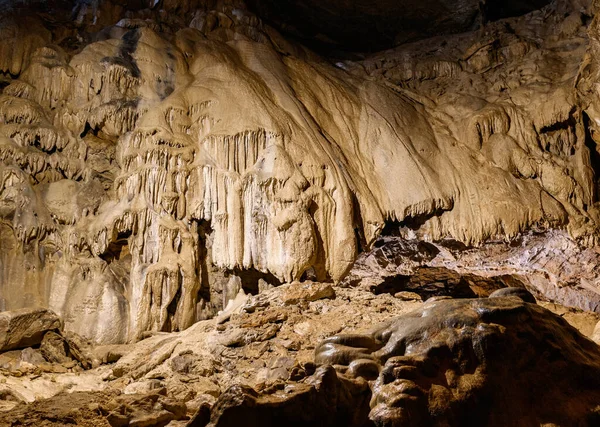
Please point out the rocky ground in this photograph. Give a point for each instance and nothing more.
(265, 341)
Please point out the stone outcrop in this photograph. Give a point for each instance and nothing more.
(493, 362)
(25, 327)
(551, 265)
(260, 356)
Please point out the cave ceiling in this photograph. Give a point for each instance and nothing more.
(378, 24)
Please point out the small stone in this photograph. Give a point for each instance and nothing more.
(117, 420)
(59, 369)
(32, 356)
(307, 291)
(408, 296)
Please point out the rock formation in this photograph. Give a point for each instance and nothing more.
(494, 362)
(158, 156)
(260, 364)
(195, 193)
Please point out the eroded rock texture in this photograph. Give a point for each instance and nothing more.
(156, 156)
(466, 362)
(494, 362)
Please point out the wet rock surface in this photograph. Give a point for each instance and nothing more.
(496, 362)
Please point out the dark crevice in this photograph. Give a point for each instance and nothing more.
(88, 129)
(361, 241)
(320, 271)
(393, 228)
(250, 278)
(171, 310)
(117, 249)
(204, 229)
(592, 146)
(570, 123)
(440, 281)
(38, 145)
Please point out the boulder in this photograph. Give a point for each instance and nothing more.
(80, 350)
(307, 291)
(26, 327)
(54, 348)
(324, 400)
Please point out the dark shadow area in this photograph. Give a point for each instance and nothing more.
(439, 281)
(342, 27)
(592, 146)
(117, 249)
(250, 278)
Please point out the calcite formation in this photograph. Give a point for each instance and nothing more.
(152, 152)
(434, 366)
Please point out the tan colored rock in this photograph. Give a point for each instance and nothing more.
(307, 292)
(596, 334)
(26, 327)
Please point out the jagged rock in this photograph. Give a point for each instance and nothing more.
(494, 362)
(307, 291)
(80, 350)
(325, 401)
(54, 348)
(551, 265)
(25, 327)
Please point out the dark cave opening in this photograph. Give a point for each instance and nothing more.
(117, 249)
(495, 10)
(171, 310)
(592, 146)
(428, 282)
(251, 277)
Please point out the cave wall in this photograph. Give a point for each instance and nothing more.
(148, 153)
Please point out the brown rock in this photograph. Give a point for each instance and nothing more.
(307, 291)
(54, 348)
(80, 350)
(326, 400)
(491, 361)
(25, 327)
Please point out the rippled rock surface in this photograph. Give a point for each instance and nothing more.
(157, 156)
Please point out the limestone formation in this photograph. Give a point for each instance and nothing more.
(206, 206)
(155, 155)
(494, 362)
